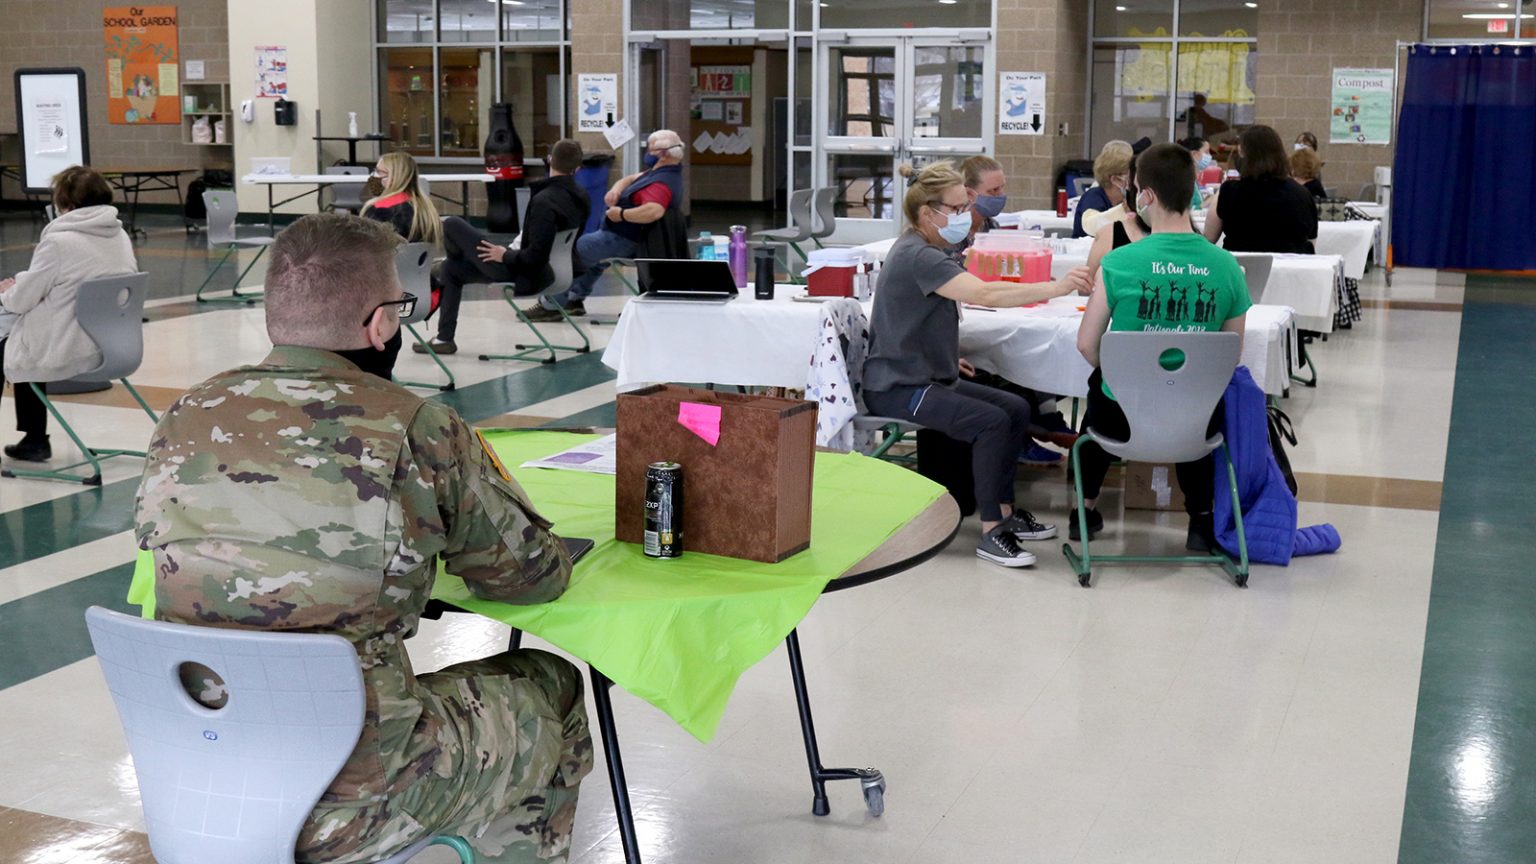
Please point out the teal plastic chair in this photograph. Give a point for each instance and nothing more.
(231, 775)
(223, 208)
(1168, 384)
(111, 312)
(560, 261)
(413, 264)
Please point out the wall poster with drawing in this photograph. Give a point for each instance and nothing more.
(143, 70)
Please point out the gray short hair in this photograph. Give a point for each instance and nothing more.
(326, 272)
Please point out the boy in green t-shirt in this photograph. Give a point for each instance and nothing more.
(1175, 280)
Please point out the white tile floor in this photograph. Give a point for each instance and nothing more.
(1163, 716)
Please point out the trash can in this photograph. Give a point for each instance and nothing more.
(593, 177)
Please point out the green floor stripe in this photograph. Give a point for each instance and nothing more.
(46, 631)
(31, 532)
(600, 415)
(1472, 775)
(536, 384)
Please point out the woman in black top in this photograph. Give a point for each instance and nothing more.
(1264, 210)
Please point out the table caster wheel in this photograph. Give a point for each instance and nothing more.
(1242, 580)
(873, 783)
(1083, 579)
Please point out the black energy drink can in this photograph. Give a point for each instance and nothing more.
(663, 510)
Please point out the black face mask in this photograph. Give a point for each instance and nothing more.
(371, 359)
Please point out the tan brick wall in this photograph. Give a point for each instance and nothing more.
(69, 33)
(1300, 44)
(1043, 36)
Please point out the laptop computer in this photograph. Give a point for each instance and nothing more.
(686, 279)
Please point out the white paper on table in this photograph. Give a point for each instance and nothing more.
(619, 134)
(702, 143)
(593, 457)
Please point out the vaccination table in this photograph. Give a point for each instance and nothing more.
(768, 343)
(320, 181)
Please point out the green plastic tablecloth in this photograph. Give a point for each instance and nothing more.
(679, 633)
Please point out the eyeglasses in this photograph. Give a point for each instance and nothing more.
(950, 209)
(404, 307)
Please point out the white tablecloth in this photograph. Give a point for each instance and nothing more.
(768, 343)
(1309, 284)
(1351, 240)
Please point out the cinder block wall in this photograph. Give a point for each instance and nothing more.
(52, 33)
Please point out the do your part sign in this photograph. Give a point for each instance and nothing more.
(597, 102)
(1021, 104)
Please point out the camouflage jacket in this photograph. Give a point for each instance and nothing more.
(305, 494)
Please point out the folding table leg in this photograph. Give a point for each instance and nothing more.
(626, 818)
(871, 780)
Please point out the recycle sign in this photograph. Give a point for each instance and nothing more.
(1021, 103)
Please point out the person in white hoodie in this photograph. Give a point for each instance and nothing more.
(84, 241)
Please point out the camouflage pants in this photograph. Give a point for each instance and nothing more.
(524, 722)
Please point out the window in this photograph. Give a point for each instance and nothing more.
(663, 15)
(442, 64)
(1480, 20)
(1147, 82)
(863, 14)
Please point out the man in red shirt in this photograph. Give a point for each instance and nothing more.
(633, 203)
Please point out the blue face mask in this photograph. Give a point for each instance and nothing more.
(649, 160)
(956, 228)
(990, 205)
(1204, 163)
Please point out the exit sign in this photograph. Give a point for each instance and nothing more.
(1498, 25)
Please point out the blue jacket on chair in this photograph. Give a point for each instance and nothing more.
(1269, 508)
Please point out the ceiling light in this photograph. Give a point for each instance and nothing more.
(1251, 5)
(509, 2)
(1502, 5)
(1119, 8)
(1495, 16)
(949, 2)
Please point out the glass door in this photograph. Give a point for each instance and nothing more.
(891, 101)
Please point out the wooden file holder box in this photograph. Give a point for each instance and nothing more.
(747, 497)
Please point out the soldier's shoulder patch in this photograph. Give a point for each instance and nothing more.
(490, 453)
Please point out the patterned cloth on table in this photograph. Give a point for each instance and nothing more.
(835, 379)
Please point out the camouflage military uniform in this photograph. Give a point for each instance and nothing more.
(304, 494)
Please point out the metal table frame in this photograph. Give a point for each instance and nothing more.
(869, 778)
(132, 181)
(273, 204)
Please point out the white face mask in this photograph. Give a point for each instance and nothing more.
(1143, 210)
(1298, 146)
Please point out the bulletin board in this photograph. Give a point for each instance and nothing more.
(50, 118)
(720, 107)
(143, 66)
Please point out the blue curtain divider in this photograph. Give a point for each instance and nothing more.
(1464, 178)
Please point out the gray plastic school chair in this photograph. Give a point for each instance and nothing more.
(110, 311)
(800, 217)
(522, 195)
(561, 256)
(222, 209)
(824, 206)
(233, 784)
(1256, 269)
(347, 196)
(1167, 384)
(413, 264)
(1056, 232)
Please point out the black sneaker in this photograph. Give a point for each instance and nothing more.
(31, 448)
(1202, 534)
(999, 547)
(444, 347)
(1095, 524)
(539, 315)
(1023, 526)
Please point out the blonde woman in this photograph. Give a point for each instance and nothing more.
(402, 203)
(1110, 171)
(913, 368)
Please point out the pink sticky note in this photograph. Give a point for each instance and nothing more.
(702, 420)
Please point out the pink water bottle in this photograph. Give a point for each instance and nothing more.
(738, 255)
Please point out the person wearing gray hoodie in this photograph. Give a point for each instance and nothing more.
(84, 241)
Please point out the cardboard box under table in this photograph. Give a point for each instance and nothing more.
(746, 495)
